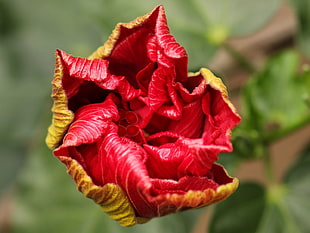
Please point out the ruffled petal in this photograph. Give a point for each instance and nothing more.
(164, 160)
(189, 125)
(96, 70)
(172, 157)
(117, 160)
(162, 96)
(90, 70)
(164, 49)
(157, 89)
(121, 33)
(191, 89)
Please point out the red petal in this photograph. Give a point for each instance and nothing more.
(185, 184)
(170, 196)
(172, 156)
(90, 70)
(219, 121)
(193, 88)
(129, 54)
(191, 122)
(162, 96)
(133, 44)
(164, 49)
(108, 150)
(96, 70)
(164, 161)
(144, 76)
(157, 90)
(91, 121)
(201, 159)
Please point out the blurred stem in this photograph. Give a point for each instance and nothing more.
(269, 169)
(288, 130)
(242, 60)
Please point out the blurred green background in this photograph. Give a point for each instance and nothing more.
(36, 195)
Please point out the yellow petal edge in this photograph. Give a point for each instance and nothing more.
(62, 116)
(113, 200)
(197, 198)
(217, 84)
(106, 49)
(110, 197)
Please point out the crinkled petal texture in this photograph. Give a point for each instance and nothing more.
(138, 134)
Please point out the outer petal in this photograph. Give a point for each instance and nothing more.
(62, 116)
(116, 37)
(176, 195)
(222, 116)
(194, 198)
(205, 126)
(123, 169)
(182, 195)
(216, 83)
(65, 88)
(96, 70)
(70, 74)
(110, 197)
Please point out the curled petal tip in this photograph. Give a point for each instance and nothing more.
(217, 83)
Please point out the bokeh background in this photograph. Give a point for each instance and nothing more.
(235, 39)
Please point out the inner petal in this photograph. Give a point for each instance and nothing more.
(129, 54)
(163, 161)
(191, 123)
(183, 185)
(128, 126)
(87, 93)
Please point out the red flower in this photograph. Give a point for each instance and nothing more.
(138, 134)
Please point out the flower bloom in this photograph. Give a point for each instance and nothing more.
(138, 134)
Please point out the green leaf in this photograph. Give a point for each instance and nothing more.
(20, 116)
(273, 221)
(238, 17)
(247, 142)
(230, 161)
(7, 20)
(198, 49)
(302, 9)
(297, 180)
(12, 160)
(282, 208)
(241, 212)
(276, 99)
(288, 206)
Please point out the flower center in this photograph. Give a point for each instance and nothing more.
(128, 126)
